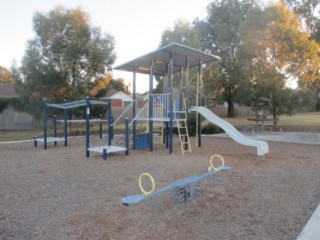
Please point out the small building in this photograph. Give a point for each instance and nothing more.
(7, 90)
(118, 99)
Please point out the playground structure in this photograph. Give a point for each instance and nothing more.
(168, 109)
(183, 189)
(171, 107)
(76, 104)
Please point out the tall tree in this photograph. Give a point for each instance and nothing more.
(275, 50)
(182, 32)
(309, 15)
(220, 36)
(5, 75)
(64, 57)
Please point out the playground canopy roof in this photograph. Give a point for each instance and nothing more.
(161, 58)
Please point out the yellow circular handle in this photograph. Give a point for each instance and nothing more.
(152, 182)
(222, 162)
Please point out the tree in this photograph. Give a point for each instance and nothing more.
(309, 15)
(182, 32)
(282, 53)
(5, 75)
(67, 54)
(308, 12)
(220, 36)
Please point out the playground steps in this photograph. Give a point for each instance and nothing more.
(180, 117)
(183, 135)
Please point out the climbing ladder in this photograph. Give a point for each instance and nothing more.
(180, 117)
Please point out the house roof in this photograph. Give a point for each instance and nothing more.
(161, 58)
(7, 90)
(120, 95)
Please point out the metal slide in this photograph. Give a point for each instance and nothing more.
(262, 146)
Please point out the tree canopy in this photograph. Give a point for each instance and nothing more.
(5, 75)
(66, 55)
(220, 36)
(274, 50)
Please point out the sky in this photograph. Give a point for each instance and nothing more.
(136, 25)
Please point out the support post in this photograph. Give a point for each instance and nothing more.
(199, 103)
(134, 110)
(87, 126)
(110, 124)
(55, 127)
(65, 114)
(100, 128)
(127, 136)
(151, 106)
(45, 107)
(171, 104)
(104, 154)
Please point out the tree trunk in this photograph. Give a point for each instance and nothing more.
(230, 108)
(230, 102)
(274, 115)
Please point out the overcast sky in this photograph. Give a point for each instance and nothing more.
(137, 25)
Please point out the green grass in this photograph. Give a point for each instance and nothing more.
(299, 119)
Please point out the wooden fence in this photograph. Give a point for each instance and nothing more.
(11, 119)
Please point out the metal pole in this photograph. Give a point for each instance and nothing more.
(151, 107)
(55, 127)
(127, 136)
(65, 114)
(87, 126)
(110, 125)
(171, 104)
(100, 129)
(45, 123)
(134, 110)
(199, 103)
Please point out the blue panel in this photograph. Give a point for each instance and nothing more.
(142, 140)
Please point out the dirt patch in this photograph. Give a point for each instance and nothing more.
(60, 194)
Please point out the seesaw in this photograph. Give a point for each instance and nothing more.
(185, 187)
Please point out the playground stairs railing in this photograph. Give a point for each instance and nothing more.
(159, 107)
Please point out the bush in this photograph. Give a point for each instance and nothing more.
(210, 128)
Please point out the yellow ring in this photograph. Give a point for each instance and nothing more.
(152, 182)
(222, 162)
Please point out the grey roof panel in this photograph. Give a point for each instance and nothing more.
(161, 58)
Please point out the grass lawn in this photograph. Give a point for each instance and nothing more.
(299, 119)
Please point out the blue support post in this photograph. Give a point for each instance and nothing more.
(166, 134)
(65, 126)
(151, 106)
(100, 129)
(87, 126)
(55, 127)
(199, 103)
(134, 110)
(104, 154)
(110, 124)
(127, 136)
(45, 123)
(171, 104)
